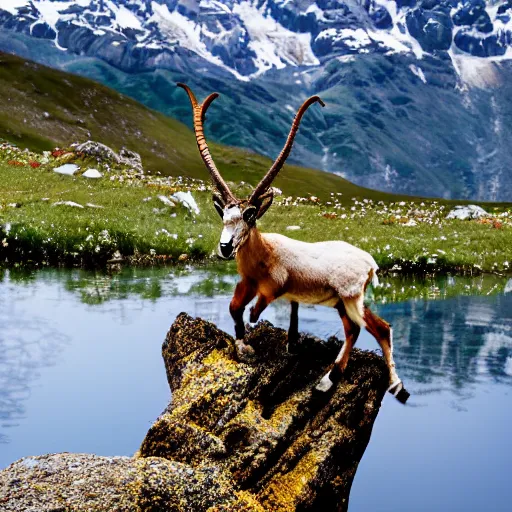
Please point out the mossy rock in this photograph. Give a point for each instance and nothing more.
(236, 436)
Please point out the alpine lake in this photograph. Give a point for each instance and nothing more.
(81, 371)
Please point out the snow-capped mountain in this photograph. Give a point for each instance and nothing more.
(418, 90)
(247, 38)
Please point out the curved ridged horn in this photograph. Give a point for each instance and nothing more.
(199, 111)
(265, 183)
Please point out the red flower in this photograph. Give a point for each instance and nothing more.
(34, 165)
(15, 163)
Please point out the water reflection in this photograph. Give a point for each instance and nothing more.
(99, 331)
(27, 345)
(458, 342)
(213, 280)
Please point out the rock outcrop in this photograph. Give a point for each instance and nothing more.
(236, 436)
(470, 211)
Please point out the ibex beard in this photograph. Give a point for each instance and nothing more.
(272, 266)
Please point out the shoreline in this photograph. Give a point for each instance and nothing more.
(126, 217)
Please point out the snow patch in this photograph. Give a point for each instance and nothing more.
(418, 72)
(50, 11)
(178, 28)
(12, 6)
(214, 6)
(397, 37)
(476, 71)
(313, 8)
(274, 45)
(124, 17)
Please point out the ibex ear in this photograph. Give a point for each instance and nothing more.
(250, 215)
(266, 200)
(219, 204)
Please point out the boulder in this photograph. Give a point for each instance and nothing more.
(490, 46)
(237, 436)
(43, 31)
(470, 211)
(98, 150)
(67, 169)
(473, 13)
(131, 159)
(381, 18)
(432, 29)
(92, 173)
(67, 203)
(187, 200)
(106, 154)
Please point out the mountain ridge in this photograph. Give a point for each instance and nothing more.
(418, 92)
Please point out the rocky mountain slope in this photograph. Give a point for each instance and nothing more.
(418, 92)
(42, 108)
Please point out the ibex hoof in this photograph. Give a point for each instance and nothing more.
(245, 352)
(399, 392)
(292, 349)
(325, 384)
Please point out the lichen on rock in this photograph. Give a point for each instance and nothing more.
(236, 436)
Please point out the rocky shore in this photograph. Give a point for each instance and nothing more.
(237, 436)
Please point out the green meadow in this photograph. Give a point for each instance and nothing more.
(122, 216)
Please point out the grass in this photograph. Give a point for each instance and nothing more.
(403, 236)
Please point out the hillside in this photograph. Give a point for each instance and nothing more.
(44, 108)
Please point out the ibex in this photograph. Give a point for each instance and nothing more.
(274, 266)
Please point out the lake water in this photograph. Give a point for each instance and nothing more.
(81, 371)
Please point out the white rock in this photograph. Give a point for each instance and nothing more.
(186, 199)
(410, 223)
(68, 169)
(167, 201)
(292, 228)
(67, 203)
(92, 173)
(471, 211)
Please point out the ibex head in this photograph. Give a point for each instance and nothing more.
(239, 215)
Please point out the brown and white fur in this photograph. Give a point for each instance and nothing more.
(333, 274)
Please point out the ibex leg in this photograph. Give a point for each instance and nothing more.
(352, 331)
(259, 307)
(245, 291)
(383, 333)
(293, 331)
